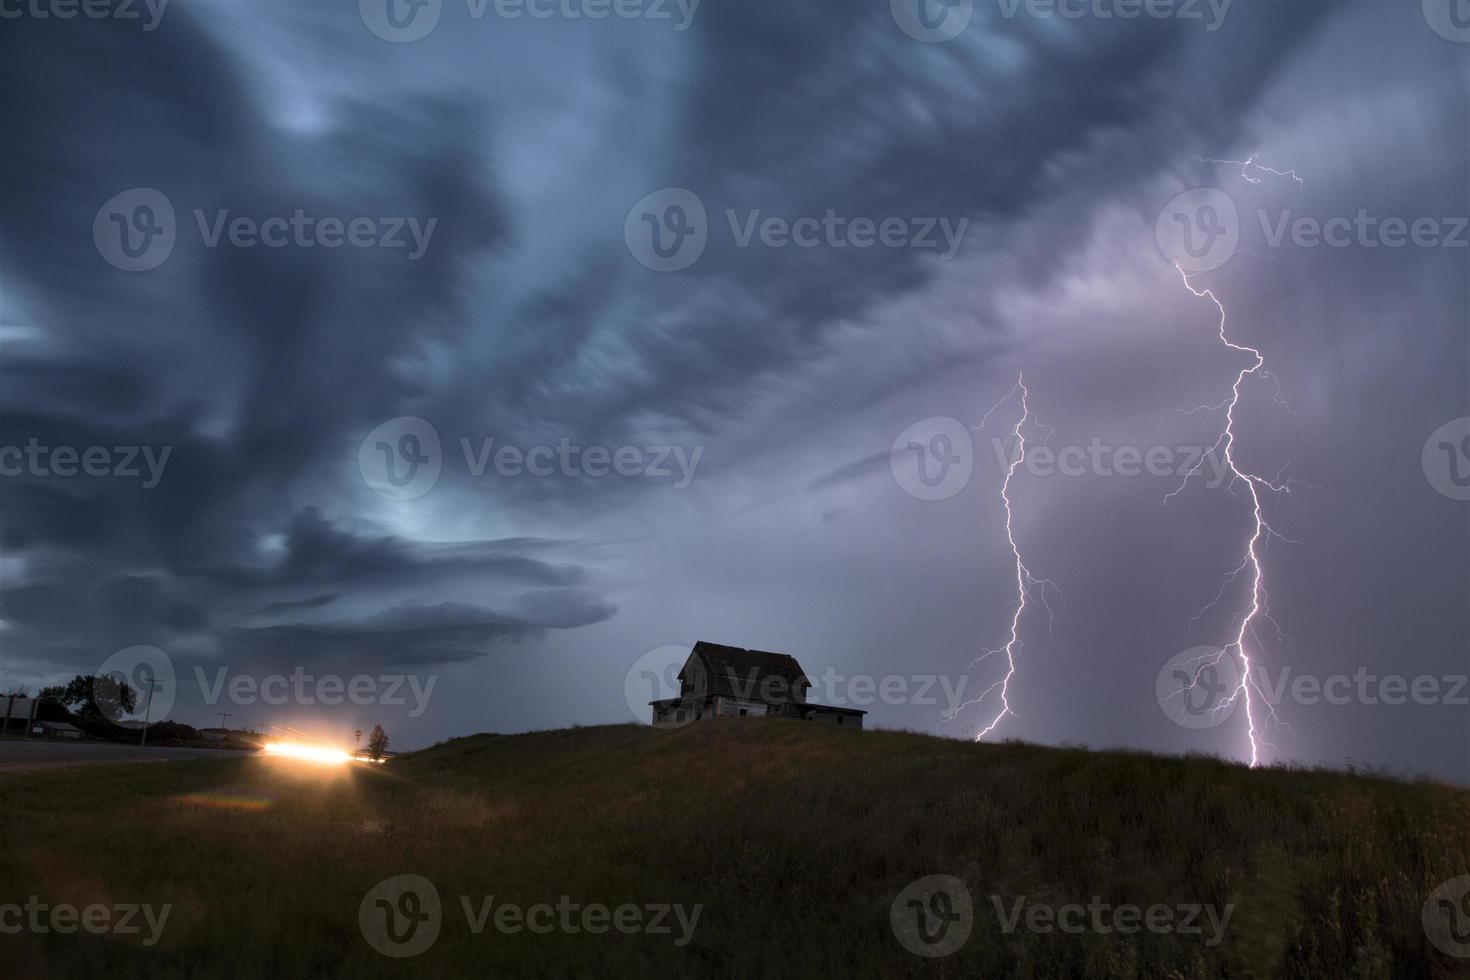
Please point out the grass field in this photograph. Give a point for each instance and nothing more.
(794, 841)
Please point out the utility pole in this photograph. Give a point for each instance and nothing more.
(222, 716)
(356, 737)
(147, 707)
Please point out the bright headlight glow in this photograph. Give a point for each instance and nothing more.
(311, 753)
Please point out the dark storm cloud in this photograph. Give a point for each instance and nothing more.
(527, 320)
(865, 122)
(311, 602)
(315, 552)
(858, 469)
(413, 636)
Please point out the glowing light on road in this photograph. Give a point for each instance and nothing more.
(308, 753)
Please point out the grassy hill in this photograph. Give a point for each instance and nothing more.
(794, 839)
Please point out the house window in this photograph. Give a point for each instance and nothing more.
(839, 719)
(743, 712)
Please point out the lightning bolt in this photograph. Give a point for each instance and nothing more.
(1025, 580)
(1245, 166)
(1261, 530)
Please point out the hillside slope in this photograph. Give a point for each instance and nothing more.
(794, 841)
(797, 840)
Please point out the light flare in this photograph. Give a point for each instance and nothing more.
(308, 753)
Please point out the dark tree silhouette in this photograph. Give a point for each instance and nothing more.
(377, 743)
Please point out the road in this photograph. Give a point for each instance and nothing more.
(37, 753)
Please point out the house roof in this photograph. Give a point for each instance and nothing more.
(737, 671)
(60, 726)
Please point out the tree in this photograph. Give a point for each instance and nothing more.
(94, 698)
(377, 743)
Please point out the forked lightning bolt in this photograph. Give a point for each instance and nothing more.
(1025, 581)
(1261, 529)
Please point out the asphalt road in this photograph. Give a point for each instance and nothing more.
(39, 753)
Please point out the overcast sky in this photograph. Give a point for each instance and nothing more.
(987, 190)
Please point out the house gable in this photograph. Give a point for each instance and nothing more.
(716, 670)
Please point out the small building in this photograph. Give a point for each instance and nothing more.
(719, 681)
(56, 729)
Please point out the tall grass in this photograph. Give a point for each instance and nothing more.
(794, 838)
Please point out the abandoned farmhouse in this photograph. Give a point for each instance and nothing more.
(719, 681)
